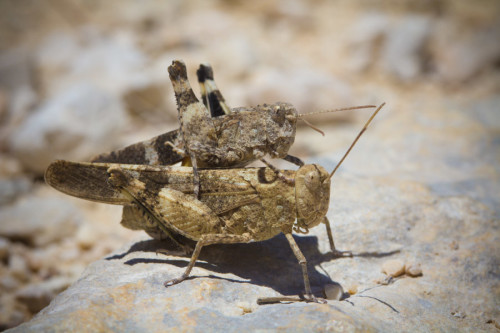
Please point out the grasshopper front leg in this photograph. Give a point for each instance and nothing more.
(303, 263)
(308, 296)
(335, 252)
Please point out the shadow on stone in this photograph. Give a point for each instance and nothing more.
(376, 254)
(269, 263)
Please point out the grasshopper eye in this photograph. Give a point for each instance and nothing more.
(312, 181)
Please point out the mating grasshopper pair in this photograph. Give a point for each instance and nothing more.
(230, 206)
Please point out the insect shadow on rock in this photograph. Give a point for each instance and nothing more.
(275, 268)
(235, 206)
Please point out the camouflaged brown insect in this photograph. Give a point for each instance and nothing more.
(234, 205)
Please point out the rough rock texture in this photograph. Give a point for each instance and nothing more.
(26, 221)
(65, 125)
(124, 291)
(78, 78)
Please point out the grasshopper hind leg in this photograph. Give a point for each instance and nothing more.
(208, 240)
(295, 160)
(210, 94)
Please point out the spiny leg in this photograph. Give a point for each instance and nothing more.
(303, 263)
(289, 158)
(195, 120)
(196, 177)
(309, 297)
(184, 95)
(175, 149)
(336, 253)
(210, 94)
(278, 173)
(295, 160)
(207, 240)
(160, 150)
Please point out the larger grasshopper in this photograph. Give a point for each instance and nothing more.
(235, 205)
(212, 135)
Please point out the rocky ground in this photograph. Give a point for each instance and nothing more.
(420, 190)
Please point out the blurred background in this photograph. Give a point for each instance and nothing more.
(78, 78)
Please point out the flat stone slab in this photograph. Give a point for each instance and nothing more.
(454, 239)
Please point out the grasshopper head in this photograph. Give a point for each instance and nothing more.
(281, 128)
(312, 194)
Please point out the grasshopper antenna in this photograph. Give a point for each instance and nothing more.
(313, 127)
(355, 140)
(300, 115)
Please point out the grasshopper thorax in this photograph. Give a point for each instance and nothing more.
(312, 194)
(280, 130)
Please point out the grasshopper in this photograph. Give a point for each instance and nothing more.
(235, 205)
(212, 135)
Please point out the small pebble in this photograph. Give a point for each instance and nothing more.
(458, 314)
(384, 280)
(333, 292)
(352, 288)
(245, 307)
(413, 269)
(394, 267)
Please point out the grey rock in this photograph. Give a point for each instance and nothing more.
(413, 269)
(460, 54)
(9, 282)
(21, 101)
(308, 90)
(18, 267)
(16, 68)
(111, 63)
(364, 36)
(12, 313)
(125, 291)
(39, 221)
(333, 292)
(393, 267)
(397, 47)
(10, 167)
(12, 188)
(36, 296)
(403, 50)
(68, 126)
(4, 249)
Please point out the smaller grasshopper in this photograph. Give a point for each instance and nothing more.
(212, 135)
(235, 205)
